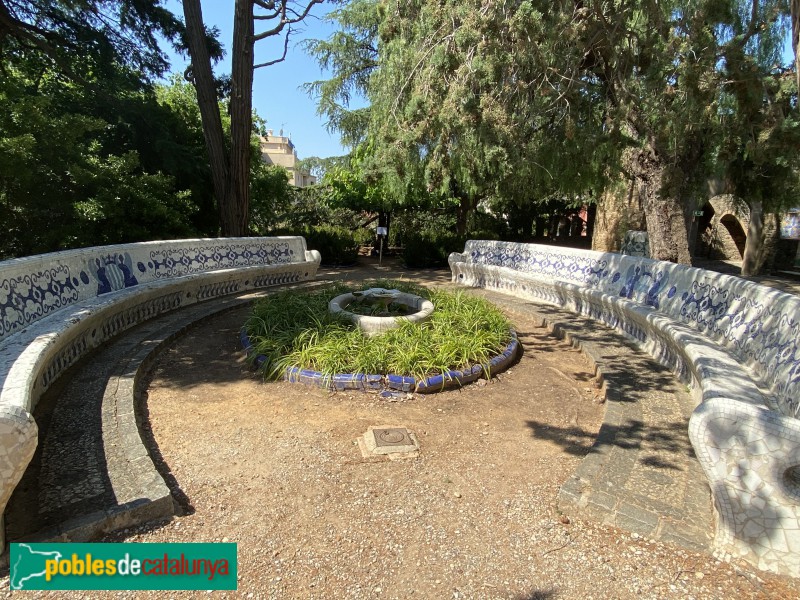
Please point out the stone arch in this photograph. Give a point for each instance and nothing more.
(722, 230)
(735, 231)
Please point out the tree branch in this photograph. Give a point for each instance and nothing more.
(266, 5)
(266, 17)
(286, 21)
(752, 28)
(37, 38)
(283, 56)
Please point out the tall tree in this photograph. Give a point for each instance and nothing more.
(100, 31)
(462, 105)
(477, 103)
(795, 12)
(351, 55)
(83, 140)
(231, 167)
(759, 123)
(83, 165)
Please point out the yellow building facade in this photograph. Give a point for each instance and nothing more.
(279, 150)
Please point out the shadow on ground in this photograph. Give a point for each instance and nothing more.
(632, 435)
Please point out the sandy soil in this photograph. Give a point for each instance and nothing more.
(275, 468)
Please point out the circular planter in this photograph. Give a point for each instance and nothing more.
(375, 325)
(399, 383)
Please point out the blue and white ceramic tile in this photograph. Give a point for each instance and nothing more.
(35, 286)
(760, 325)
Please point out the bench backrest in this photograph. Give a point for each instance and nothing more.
(760, 325)
(35, 286)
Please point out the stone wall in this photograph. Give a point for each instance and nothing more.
(723, 228)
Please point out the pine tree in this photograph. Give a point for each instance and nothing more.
(231, 168)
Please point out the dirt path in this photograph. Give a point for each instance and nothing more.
(274, 467)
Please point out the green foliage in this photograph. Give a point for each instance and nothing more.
(295, 329)
(351, 53)
(81, 167)
(103, 33)
(757, 118)
(430, 249)
(348, 189)
(122, 203)
(318, 167)
(309, 206)
(454, 111)
(337, 245)
(271, 195)
(516, 104)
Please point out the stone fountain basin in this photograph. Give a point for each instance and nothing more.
(375, 325)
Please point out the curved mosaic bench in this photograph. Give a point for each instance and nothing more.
(55, 308)
(400, 383)
(735, 342)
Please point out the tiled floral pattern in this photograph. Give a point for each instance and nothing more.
(35, 286)
(759, 325)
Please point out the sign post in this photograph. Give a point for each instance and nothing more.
(382, 232)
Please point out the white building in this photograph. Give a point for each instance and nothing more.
(279, 150)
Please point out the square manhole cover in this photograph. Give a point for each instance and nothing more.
(393, 442)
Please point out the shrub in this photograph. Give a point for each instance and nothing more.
(294, 329)
(337, 245)
(364, 236)
(430, 249)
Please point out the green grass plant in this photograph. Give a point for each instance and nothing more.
(293, 328)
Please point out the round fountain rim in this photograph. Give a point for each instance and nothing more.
(372, 325)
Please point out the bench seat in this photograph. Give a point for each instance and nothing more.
(56, 308)
(736, 343)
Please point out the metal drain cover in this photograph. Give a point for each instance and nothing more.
(391, 437)
(394, 442)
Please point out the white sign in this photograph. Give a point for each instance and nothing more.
(383, 231)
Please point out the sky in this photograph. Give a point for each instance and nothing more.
(277, 93)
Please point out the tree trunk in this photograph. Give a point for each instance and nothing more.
(666, 225)
(235, 213)
(203, 80)
(660, 194)
(795, 12)
(465, 207)
(591, 218)
(619, 209)
(753, 258)
(539, 226)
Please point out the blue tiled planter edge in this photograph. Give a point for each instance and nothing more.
(358, 381)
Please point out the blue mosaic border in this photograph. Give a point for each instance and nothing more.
(32, 287)
(363, 382)
(760, 326)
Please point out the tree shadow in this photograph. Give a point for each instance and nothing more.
(632, 435)
(622, 370)
(215, 356)
(536, 342)
(544, 594)
(180, 498)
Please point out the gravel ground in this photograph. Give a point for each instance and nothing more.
(275, 468)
